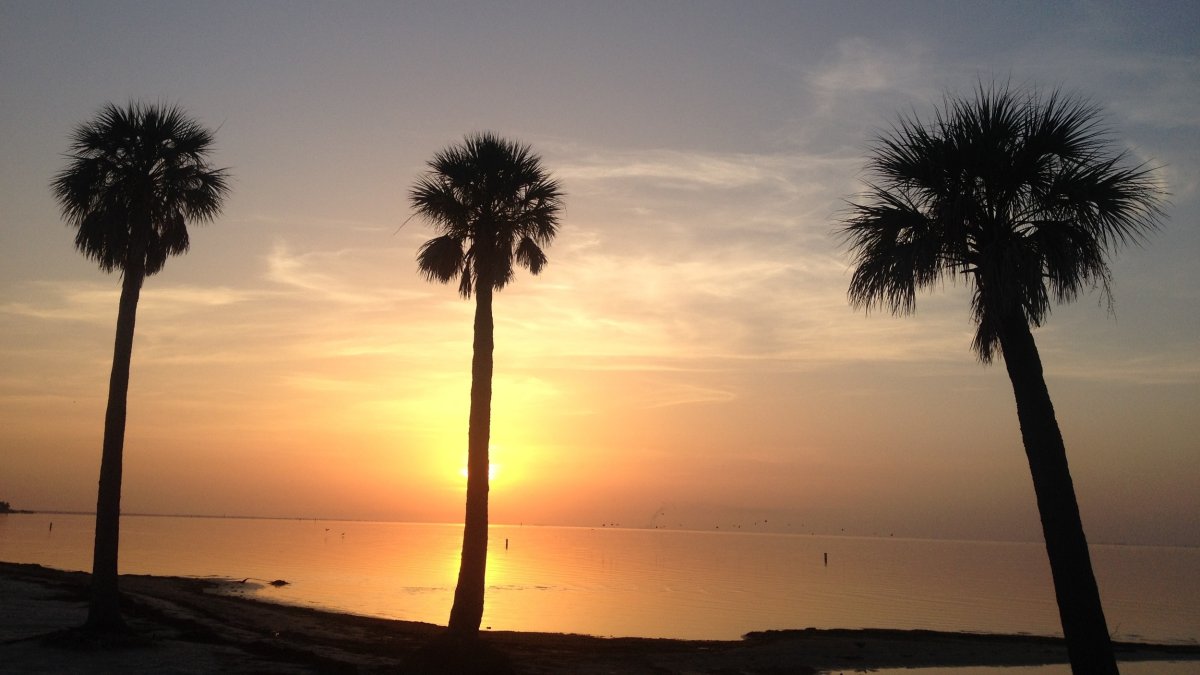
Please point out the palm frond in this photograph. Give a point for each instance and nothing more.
(441, 259)
(895, 251)
(530, 255)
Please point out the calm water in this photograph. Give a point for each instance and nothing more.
(652, 583)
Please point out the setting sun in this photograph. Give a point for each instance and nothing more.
(493, 469)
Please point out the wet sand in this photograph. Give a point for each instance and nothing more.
(188, 626)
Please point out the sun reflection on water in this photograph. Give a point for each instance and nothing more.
(653, 583)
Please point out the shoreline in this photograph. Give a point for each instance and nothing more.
(190, 627)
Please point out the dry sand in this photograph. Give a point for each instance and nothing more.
(187, 626)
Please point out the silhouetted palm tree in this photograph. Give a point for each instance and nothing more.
(493, 205)
(135, 176)
(1022, 196)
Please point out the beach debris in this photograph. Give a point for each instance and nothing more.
(278, 583)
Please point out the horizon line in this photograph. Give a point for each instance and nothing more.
(603, 526)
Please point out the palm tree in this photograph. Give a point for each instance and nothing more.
(493, 205)
(135, 176)
(1022, 196)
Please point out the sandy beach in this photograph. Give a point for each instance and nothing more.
(189, 626)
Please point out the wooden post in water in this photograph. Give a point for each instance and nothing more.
(827, 560)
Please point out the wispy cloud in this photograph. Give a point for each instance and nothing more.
(1159, 369)
(50, 302)
(689, 170)
(311, 273)
(859, 65)
(95, 302)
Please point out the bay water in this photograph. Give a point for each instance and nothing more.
(649, 583)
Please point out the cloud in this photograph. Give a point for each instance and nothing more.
(293, 222)
(303, 272)
(716, 311)
(1169, 366)
(94, 302)
(56, 301)
(859, 65)
(685, 170)
(861, 85)
(683, 394)
(599, 170)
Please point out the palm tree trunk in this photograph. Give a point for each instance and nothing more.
(1088, 644)
(467, 612)
(104, 611)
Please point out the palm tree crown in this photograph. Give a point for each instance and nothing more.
(136, 175)
(493, 204)
(1021, 194)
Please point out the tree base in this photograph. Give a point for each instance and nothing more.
(451, 653)
(87, 638)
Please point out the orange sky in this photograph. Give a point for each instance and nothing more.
(688, 357)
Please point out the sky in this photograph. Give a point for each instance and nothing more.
(688, 357)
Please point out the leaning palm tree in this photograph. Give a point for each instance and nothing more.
(1023, 196)
(493, 205)
(135, 176)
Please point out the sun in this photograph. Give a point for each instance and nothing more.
(493, 469)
